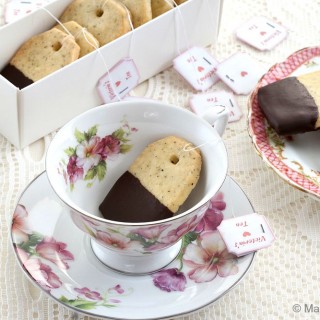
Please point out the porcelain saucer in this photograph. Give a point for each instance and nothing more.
(57, 257)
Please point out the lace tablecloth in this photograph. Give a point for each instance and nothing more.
(287, 273)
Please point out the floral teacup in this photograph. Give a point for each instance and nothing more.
(93, 150)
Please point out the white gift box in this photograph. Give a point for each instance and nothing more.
(35, 111)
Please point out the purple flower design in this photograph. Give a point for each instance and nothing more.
(213, 216)
(93, 295)
(170, 280)
(116, 289)
(73, 171)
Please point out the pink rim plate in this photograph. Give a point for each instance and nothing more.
(285, 155)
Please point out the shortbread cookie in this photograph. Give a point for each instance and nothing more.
(160, 6)
(291, 105)
(86, 41)
(40, 56)
(140, 11)
(180, 1)
(157, 183)
(106, 20)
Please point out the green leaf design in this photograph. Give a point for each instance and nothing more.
(91, 173)
(124, 148)
(101, 170)
(70, 151)
(142, 240)
(29, 245)
(84, 304)
(92, 132)
(189, 237)
(79, 303)
(92, 234)
(80, 136)
(119, 134)
(186, 240)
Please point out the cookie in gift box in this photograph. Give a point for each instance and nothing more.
(105, 20)
(41, 55)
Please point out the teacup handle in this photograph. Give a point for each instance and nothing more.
(217, 117)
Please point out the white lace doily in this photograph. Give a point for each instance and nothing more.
(283, 275)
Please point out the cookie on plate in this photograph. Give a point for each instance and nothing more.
(156, 184)
(292, 105)
(105, 20)
(140, 11)
(86, 41)
(39, 56)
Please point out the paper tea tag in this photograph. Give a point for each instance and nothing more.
(119, 81)
(261, 33)
(197, 67)
(200, 103)
(240, 72)
(16, 9)
(246, 234)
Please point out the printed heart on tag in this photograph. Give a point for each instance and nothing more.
(246, 234)
(244, 73)
(118, 83)
(262, 33)
(200, 69)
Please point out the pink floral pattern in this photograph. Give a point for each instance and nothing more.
(43, 274)
(203, 256)
(93, 295)
(133, 239)
(36, 252)
(19, 224)
(34, 248)
(208, 258)
(55, 252)
(87, 160)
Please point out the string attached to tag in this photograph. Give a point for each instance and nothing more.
(195, 64)
(118, 80)
(189, 147)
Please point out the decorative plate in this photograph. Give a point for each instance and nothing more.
(294, 158)
(56, 256)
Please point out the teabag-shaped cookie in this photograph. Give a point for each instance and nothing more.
(157, 183)
(40, 56)
(160, 6)
(140, 11)
(291, 105)
(86, 41)
(105, 20)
